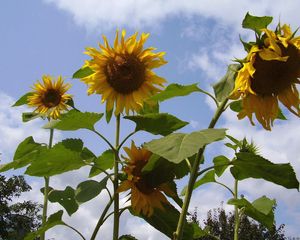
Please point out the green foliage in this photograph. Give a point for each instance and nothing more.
(22, 100)
(102, 163)
(28, 116)
(83, 72)
(74, 120)
(53, 220)
(65, 198)
(179, 146)
(225, 86)
(149, 107)
(256, 23)
(176, 90)
(127, 237)
(220, 164)
(261, 209)
(249, 165)
(64, 156)
(157, 123)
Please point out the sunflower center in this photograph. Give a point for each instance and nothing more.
(51, 98)
(272, 77)
(125, 73)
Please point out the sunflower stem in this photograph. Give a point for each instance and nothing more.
(116, 182)
(46, 189)
(194, 174)
(236, 212)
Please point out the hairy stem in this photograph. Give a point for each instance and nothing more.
(46, 189)
(236, 212)
(193, 176)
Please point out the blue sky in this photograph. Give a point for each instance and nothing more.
(49, 37)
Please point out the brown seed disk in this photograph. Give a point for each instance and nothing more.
(51, 98)
(272, 77)
(125, 73)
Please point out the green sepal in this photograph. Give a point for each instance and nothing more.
(83, 72)
(29, 116)
(65, 198)
(22, 100)
(256, 23)
(260, 210)
(249, 165)
(157, 123)
(74, 120)
(178, 146)
(224, 87)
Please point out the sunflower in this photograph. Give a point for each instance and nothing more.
(144, 196)
(270, 75)
(123, 74)
(49, 97)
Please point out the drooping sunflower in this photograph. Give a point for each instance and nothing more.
(123, 73)
(270, 75)
(144, 196)
(49, 97)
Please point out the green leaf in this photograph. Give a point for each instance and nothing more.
(127, 237)
(28, 116)
(22, 100)
(166, 220)
(65, 198)
(102, 163)
(224, 87)
(89, 189)
(249, 165)
(25, 147)
(157, 123)
(83, 72)
(74, 120)
(53, 220)
(178, 146)
(64, 156)
(152, 107)
(256, 23)
(175, 90)
(220, 164)
(208, 177)
(261, 209)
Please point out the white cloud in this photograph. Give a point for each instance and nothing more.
(101, 14)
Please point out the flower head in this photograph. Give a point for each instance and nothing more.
(49, 97)
(269, 75)
(123, 73)
(145, 197)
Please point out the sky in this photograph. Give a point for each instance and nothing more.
(200, 39)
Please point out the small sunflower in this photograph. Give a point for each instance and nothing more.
(144, 196)
(49, 97)
(123, 73)
(269, 75)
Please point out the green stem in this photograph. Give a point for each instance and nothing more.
(125, 139)
(193, 176)
(104, 138)
(75, 230)
(116, 182)
(236, 212)
(46, 189)
(101, 219)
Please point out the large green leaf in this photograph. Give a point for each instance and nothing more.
(166, 222)
(22, 100)
(256, 23)
(220, 164)
(74, 120)
(225, 86)
(261, 209)
(83, 72)
(64, 156)
(176, 90)
(208, 177)
(249, 165)
(178, 146)
(65, 198)
(53, 220)
(102, 163)
(157, 123)
(89, 189)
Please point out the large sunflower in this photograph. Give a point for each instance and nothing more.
(144, 196)
(49, 97)
(123, 73)
(270, 74)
